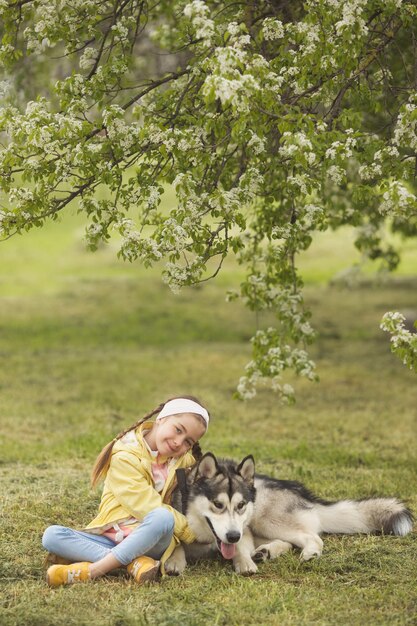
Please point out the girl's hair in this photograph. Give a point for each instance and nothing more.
(102, 462)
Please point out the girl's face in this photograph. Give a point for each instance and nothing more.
(174, 435)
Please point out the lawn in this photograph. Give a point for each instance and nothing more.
(89, 343)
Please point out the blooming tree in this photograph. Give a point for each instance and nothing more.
(271, 120)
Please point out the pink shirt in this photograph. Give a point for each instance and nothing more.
(159, 474)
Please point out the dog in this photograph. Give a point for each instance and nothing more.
(250, 518)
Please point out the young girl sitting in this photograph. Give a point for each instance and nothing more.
(135, 526)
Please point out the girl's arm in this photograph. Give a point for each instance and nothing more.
(129, 485)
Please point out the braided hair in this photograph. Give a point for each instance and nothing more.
(102, 462)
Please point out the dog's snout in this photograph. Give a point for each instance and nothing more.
(233, 536)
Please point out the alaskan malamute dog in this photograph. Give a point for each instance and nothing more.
(252, 518)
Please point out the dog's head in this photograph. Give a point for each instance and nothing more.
(221, 496)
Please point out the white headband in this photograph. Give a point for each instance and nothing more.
(182, 405)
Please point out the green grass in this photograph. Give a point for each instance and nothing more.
(89, 343)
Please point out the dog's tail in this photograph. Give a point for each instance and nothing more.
(387, 515)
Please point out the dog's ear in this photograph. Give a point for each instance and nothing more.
(247, 469)
(207, 466)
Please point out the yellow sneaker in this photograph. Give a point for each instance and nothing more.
(143, 569)
(67, 574)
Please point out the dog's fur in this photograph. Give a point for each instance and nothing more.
(252, 518)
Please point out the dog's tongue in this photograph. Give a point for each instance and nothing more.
(228, 550)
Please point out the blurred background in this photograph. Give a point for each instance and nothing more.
(90, 342)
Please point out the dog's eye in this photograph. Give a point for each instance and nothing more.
(218, 504)
(241, 504)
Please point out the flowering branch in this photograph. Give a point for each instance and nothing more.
(270, 124)
(403, 343)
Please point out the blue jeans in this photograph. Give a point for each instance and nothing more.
(152, 538)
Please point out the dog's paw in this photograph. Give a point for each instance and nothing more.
(173, 569)
(307, 555)
(261, 554)
(310, 553)
(176, 564)
(312, 549)
(245, 567)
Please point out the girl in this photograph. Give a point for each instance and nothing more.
(135, 526)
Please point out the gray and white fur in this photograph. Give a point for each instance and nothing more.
(251, 518)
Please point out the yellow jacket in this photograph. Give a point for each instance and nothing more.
(129, 490)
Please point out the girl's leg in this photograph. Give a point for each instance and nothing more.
(76, 545)
(151, 538)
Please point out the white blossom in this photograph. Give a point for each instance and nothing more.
(256, 143)
(5, 87)
(88, 58)
(197, 11)
(397, 200)
(403, 342)
(336, 174)
(272, 29)
(352, 17)
(405, 134)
